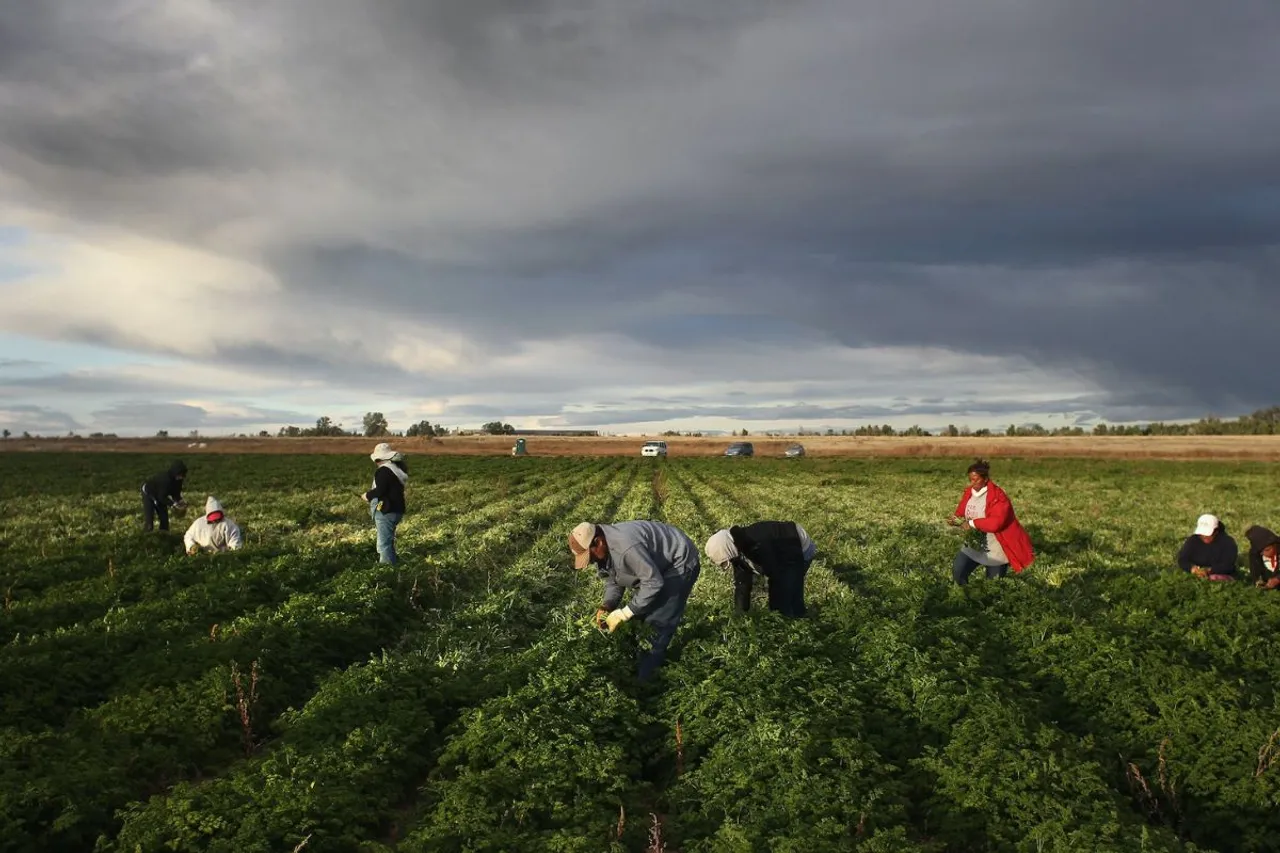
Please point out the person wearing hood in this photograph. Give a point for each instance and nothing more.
(386, 498)
(984, 506)
(1264, 557)
(780, 551)
(1209, 553)
(161, 492)
(656, 561)
(213, 531)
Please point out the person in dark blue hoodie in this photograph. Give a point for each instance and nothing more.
(161, 492)
(1209, 553)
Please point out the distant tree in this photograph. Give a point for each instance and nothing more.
(421, 428)
(1100, 429)
(375, 424)
(497, 428)
(982, 433)
(915, 431)
(26, 434)
(7, 433)
(162, 433)
(195, 433)
(290, 432)
(952, 431)
(324, 427)
(262, 433)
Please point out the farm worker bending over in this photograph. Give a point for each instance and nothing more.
(386, 497)
(1209, 552)
(984, 506)
(213, 531)
(1264, 557)
(657, 562)
(778, 550)
(162, 491)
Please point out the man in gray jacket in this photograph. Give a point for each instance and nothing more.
(657, 562)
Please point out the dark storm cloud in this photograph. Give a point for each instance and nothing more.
(1089, 185)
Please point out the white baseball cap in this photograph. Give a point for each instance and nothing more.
(580, 544)
(1206, 524)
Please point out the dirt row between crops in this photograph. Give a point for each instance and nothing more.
(1261, 448)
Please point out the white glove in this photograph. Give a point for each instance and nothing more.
(617, 617)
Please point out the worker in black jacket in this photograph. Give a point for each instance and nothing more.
(1264, 557)
(162, 491)
(781, 551)
(386, 498)
(1209, 552)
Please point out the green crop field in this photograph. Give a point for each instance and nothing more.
(298, 696)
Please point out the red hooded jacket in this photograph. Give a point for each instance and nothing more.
(1004, 524)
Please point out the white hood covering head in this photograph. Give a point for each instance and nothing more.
(211, 505)
(721, 548)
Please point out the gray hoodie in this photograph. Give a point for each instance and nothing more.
(644, 556)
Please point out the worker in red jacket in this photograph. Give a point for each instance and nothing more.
(985, 507)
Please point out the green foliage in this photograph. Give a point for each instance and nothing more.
(297, 695)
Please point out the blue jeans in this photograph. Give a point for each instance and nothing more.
(964, 566)
(665, 618)
(385, 523)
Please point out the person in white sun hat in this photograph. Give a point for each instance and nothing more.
(1209, 553)
(656, 561)
(386, 497)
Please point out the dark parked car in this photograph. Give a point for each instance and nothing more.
(740, 448)
(794, 451)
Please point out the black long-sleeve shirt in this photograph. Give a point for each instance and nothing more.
(387, 488)
(165, 488)
(1218, 556)
(772, 547)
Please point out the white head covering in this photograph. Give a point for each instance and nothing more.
(1206, 524)
(384, 453)
(721, 548)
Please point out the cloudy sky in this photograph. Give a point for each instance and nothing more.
(636, 214)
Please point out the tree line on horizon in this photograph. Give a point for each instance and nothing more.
(374, 425)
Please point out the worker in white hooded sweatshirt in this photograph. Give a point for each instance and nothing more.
(213, 531)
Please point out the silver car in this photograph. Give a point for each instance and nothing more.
(794, 451)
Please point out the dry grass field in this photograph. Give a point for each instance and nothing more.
(1259, 448)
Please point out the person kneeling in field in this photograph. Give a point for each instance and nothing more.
(1209, 552)
(984, 506)
(1264, 557)
(657, 562)
(161, 492)
(781, 551)
(213, 531)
